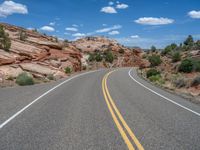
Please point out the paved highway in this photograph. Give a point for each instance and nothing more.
(99, 110)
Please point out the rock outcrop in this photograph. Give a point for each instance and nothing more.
(39, 54)
(42, 55)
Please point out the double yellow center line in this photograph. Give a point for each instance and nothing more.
(118, 119)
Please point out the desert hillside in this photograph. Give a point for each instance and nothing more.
(46, 58)
(176, 67)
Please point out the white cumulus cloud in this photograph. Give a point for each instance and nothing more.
(135, 36)
(115, 27)
(9, 7)
(109, 10)
(122, 6)
(47, 29)
(78, 34)
(154, 21)
(114, 33)
(71, 29)
(194, 14)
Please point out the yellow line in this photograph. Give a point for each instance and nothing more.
(123, 134)
(136, 141)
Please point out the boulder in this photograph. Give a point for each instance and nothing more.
(36, 68)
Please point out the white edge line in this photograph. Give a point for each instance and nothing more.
(41, 96)
(196, 113)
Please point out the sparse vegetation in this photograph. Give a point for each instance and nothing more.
(24, 79)
(155, 60)
(5, 41)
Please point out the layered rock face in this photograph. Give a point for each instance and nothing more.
(38, 54)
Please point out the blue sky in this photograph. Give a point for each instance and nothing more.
(132, 22)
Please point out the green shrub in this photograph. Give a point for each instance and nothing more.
(5, 41)
(98, 57)
(196, 65)
(91, 57)
(68, 70)
(109, 57)
(24, 79)
(152, 72)
(155, 60)
(176, 57)
(186, 66)
(154, 78)
(196, 81)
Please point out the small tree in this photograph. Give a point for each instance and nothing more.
(5, 41)
(153, 48)
(155, 60)
(189, 41)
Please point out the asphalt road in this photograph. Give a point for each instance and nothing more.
(98, 110)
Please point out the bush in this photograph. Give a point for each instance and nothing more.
(98, 57)
(5, 41)
(109, 57)
(154, 78)
(196, 65)
(196, 81)
(68, 70)
(176, 57)
(155, 60)
(186, 66)
(24, 79)
(152, 72)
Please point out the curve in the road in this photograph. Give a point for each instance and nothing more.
(113, 109)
